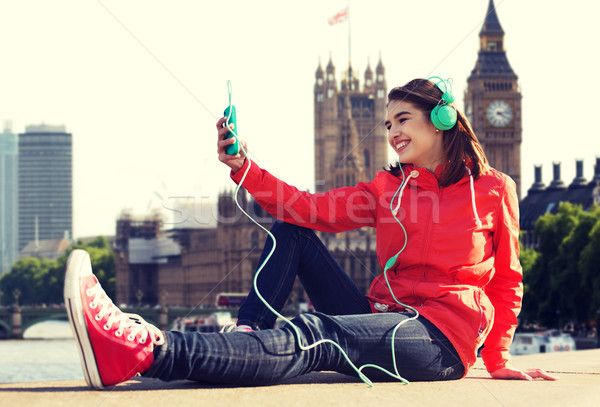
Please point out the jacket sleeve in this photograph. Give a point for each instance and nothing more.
(338, 210)
(505, 290)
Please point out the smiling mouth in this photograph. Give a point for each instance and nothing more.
(402, 144)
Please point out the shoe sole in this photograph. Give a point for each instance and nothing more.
(77, 264)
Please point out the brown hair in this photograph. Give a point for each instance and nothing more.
(460, 143)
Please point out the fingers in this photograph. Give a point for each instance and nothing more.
(540, 374)
(524, 376)
(510, 373)
(527, 374)
(244, 148)
(222, 131)
(222, 144)
(235, 162)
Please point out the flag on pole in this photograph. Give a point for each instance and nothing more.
(340, 17)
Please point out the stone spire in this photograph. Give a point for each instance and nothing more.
(492, 60)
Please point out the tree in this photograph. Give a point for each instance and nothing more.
(27, 275)
(41, 281)
(589, 265)
(527, 257)
(560, 279)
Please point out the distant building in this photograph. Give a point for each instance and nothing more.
(543, 199)
(9, 231)
(493, 101)
(188, 266)
(45, 184)
(50, 249)
(350, 138)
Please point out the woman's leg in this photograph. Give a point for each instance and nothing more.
(114, 346)
(299, 252)
(267, 356)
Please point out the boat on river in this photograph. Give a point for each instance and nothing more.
(553, 340)
(203, 323)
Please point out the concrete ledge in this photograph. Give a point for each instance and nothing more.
(579, 385)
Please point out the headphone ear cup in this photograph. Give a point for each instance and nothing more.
(443, 117)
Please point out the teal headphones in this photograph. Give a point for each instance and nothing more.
(443, 116)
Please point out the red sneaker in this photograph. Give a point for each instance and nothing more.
(113, 346)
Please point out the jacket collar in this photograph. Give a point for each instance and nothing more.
(426, 178)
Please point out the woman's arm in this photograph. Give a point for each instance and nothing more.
(505, 291)
(338, 210)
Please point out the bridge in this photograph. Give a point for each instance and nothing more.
(15, 320)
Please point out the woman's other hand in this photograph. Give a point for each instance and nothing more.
(518, 374)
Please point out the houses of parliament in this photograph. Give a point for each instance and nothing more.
(190, 266)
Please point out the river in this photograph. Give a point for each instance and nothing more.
(47, 353)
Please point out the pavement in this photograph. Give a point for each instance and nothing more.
(579, 385)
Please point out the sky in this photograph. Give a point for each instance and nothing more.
(140, 84)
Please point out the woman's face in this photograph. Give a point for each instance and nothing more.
(413, 137)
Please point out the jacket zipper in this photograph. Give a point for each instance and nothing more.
(428, 231)
(426, 244)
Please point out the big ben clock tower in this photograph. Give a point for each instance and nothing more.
(493, 101)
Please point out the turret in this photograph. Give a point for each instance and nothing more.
(596, 179)
(556, 183)
(330, 71)
(492, 61)
(319, 75)
(380, 71)
(368, 78)
(538, 185)
(380, 86)
(319, 84)
(579, 180)
(350, 79)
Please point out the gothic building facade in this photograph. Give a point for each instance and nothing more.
(350, 139)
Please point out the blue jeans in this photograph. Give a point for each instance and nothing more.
(344, 316)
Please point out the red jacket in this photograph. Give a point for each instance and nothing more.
(464, 278)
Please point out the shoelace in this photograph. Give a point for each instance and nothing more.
(133, 322)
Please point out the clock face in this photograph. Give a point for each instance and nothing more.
(499, 113)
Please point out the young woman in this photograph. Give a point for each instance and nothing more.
(447, 230)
